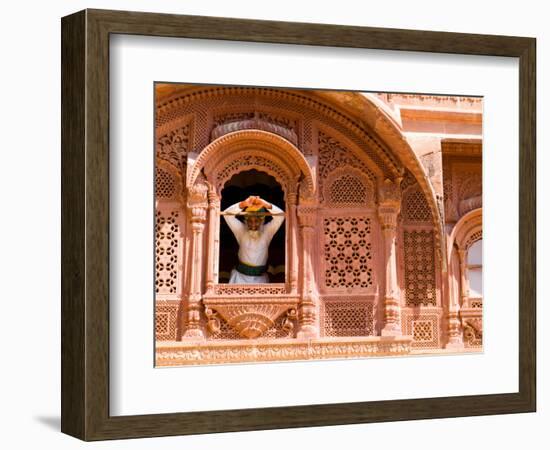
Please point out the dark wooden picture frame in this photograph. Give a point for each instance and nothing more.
(85, 224)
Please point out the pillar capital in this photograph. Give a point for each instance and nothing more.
(197, 202)
(306, 216)
(389, 194)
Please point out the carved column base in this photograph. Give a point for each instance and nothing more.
(306, 317)
(194, 330)
(455, 345)
(193, 334)
(307, 332)
(392, 313)
(391, 329)
(455, 336)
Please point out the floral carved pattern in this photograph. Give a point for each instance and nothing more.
(473, 332)
(333, 155)
(173, 147)
(248, 162)
(237, 352)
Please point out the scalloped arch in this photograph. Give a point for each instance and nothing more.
(259, 149)
(465, 228)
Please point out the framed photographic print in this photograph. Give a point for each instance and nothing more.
(270, 225)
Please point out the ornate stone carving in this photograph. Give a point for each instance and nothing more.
(249, 312)
(307, 216)
(253, 149)
(183, 353)
(348, 253)
(168, 182)
(348, 187)
(420, 287)
(473, 331)
(415, 206)
(168, 243)
(197, 203)
(248, 161)
(423, 327)
(251, 321)
(173, 147)
(390, 193)
(454, 331)
(348, 317)
(254, 124)
(332, 156)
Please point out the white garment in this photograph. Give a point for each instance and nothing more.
(253, 246)
(237, 277)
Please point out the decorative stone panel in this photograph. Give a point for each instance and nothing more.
(347, 253)
(166, 315)
(168, 251)
(423, 327)
(419, 259)
(348, 318)
(415, 207)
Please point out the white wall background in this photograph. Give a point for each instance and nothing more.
(30, 229)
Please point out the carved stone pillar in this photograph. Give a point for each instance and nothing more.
(454, 332)
(213, 238)
(197, 205)
(389, 206)
(292, 225)
(307, 309)
(463, 281)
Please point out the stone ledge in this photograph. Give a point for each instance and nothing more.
(241, 351)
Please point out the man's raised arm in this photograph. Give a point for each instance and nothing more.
(237, 227)
(276, 220)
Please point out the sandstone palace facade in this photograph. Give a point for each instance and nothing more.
(380, 249)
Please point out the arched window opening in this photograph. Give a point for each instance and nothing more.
(240, 187)
(474, 270)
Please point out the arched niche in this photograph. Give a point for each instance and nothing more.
(257, 305)
(254, 149)
(467, 230)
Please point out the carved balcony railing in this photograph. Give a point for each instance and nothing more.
(250, 309)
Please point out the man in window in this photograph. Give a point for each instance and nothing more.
(253, 237)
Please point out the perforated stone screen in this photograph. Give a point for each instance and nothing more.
(348, 318)
(347, 252)
(166, 321)
(165, 185)
(415, 207)
(424, 328)
(348, 190)
(166, 243)
(419, 268)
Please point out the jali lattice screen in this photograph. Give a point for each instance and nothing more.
(347, 252)
(167, 244)
(419, 268)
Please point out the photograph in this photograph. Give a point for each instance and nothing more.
(296, 224)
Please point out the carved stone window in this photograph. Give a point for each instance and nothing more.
(238, 188)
